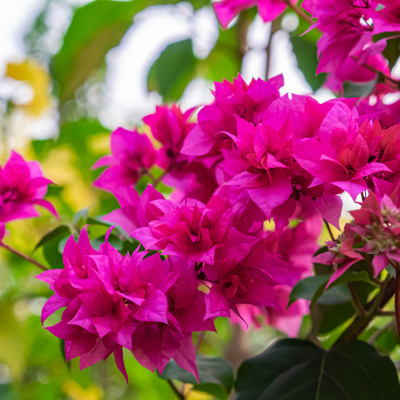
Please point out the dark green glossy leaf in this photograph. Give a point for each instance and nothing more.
(216, 376)
(337, 314)
(306, 288)
(173, 70)
(294, 369)
(348, 276)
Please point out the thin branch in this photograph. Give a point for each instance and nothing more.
(378, 333)
(25, 257)
(370, 266)
(300, 12)
(356, 300)
(329, 229)
(384, 313)
(376, 71)
(179, 395)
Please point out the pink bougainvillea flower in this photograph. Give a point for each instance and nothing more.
(387, 19)
(170, 127)
(132, 155)
(378, 223)
(287, 320)
(154, 344)
(135, 212)
(227, 10)
(231, 99)
(340, 156)
(348, 27)
(109, 298)
(341, 255)
(22, 186)
(251, 281)
(191, 177)
(351, 70)
(194, 232)
(296, 245)
(373, 106)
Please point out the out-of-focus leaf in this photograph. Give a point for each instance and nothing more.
(79, 219)
(62, 230)
(352, 89)
(224, 60)
(173, 70)
(295, 369)
(95, 29)
(113, 240)
(216, 376)
(307, 61)
(12, 348)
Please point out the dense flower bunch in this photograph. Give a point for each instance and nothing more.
(252, 156)
(349, 48)
(375, 230)
(137, 301)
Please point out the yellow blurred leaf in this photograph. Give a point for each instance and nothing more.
(77, 392)
(32, 73)
(12, 343)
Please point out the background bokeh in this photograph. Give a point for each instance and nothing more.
(71, 71)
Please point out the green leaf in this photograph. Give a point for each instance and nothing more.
(80, 218)
(352, 89)
(348, 276)
(294, 369)
(337, 314)
(224, 60)
(173, 70)
(306, 288)
(62, 230)
(96, 28)
(216, 376)
(307, 60)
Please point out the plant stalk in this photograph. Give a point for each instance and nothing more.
(25, 257)
(178, 394)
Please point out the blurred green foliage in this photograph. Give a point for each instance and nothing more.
(31, 360)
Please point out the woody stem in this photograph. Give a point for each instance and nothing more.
(299, 12)
(25, 257)
(356, 300)
(178, 394)
(329, 229)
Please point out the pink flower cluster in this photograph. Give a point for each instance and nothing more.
(227, 10)
(349, 49)
(375, 230)
(22, 187)
(149, 306)
(253, 155)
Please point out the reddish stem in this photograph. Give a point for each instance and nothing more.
(25, 257)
